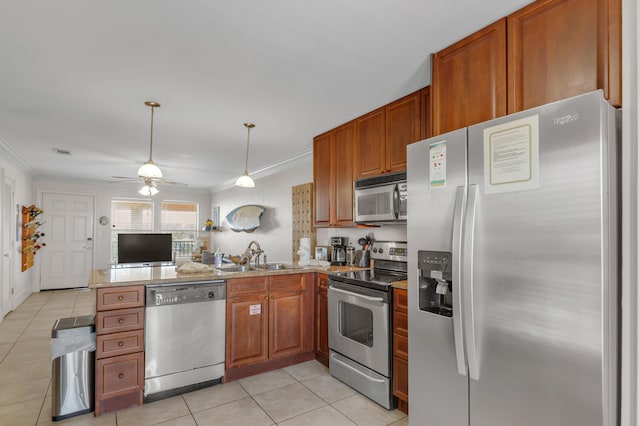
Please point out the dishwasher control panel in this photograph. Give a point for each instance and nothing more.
(163, 295)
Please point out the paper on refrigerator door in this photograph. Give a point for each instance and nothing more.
(511, 156)
(438, 164)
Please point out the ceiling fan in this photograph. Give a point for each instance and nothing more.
(149, 173)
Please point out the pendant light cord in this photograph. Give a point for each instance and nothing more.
(151, 136)
(246, 157)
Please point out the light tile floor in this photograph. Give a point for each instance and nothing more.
(302, 394)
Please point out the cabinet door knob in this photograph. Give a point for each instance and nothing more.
(120, 344)
(121, 320)
(120, 376)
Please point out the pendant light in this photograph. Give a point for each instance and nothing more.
(149, 169)
(245, 180)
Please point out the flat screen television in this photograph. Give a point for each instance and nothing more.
(144, 248)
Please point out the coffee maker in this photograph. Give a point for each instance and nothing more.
(339, 251)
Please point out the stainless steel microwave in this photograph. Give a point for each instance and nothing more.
(381, 199)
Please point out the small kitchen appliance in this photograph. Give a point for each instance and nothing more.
(323, 253)
(339, 253)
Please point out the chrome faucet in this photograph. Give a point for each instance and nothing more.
(251, 252)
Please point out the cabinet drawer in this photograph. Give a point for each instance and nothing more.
(401, 346)
(120, 298)
(293, 282)
(247, 286)
(119, 320)
(115, 344)
(119, 375)
(400, 300)
(401, 323)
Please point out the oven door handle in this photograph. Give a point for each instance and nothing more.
(356, 370)
(361, 296)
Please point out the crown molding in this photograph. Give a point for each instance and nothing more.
(17, 160)
(272, 169)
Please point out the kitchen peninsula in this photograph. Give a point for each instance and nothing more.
(273, 319)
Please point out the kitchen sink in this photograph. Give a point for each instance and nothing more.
(274, 266)
(236, 268)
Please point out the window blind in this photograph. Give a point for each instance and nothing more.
(132, 215)
(179, 216)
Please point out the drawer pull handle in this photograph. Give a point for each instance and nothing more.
(121, 320)
(120, 344)
(120, 376)
(121, 297)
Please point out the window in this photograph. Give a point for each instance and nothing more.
(129, 216)
(180, 218)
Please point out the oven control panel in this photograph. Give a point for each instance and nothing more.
(195, 292)
(390, 250)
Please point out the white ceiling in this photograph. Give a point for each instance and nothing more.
(74, 75)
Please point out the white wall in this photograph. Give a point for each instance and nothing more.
(24, 196)
(103, 194)
(273, 192)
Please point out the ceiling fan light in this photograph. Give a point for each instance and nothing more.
(245, 181)
(148, 190)
(149, 170)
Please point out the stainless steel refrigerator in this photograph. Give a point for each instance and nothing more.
(513, 270)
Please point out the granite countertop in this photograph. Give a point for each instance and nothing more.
(115, 277)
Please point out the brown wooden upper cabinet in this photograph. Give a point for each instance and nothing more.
(425, 113)
(333, 174)
(370, 149)
(562, 48)
(383, 136)
(546, 51)
(470, 80)
(323, 190)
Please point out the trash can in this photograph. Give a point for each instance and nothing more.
(73, 346)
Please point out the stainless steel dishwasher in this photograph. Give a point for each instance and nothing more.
(184, 337)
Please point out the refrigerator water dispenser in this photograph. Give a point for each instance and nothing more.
(434, 285)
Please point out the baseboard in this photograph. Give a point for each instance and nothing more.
(263, 367)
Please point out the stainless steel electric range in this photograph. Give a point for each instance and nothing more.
(360, 322)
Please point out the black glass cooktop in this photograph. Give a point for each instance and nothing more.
(377, 279)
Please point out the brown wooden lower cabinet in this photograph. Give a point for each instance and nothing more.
(286, 324)
(401, 378)
(247, 325)
(322, 319)
(119, 348)
(400, 349)
(118, 382)
(269, 323)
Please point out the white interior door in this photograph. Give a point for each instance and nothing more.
(8, 234)
(67, 259)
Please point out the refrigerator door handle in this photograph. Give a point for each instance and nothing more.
(467, 282)
(456, 254)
